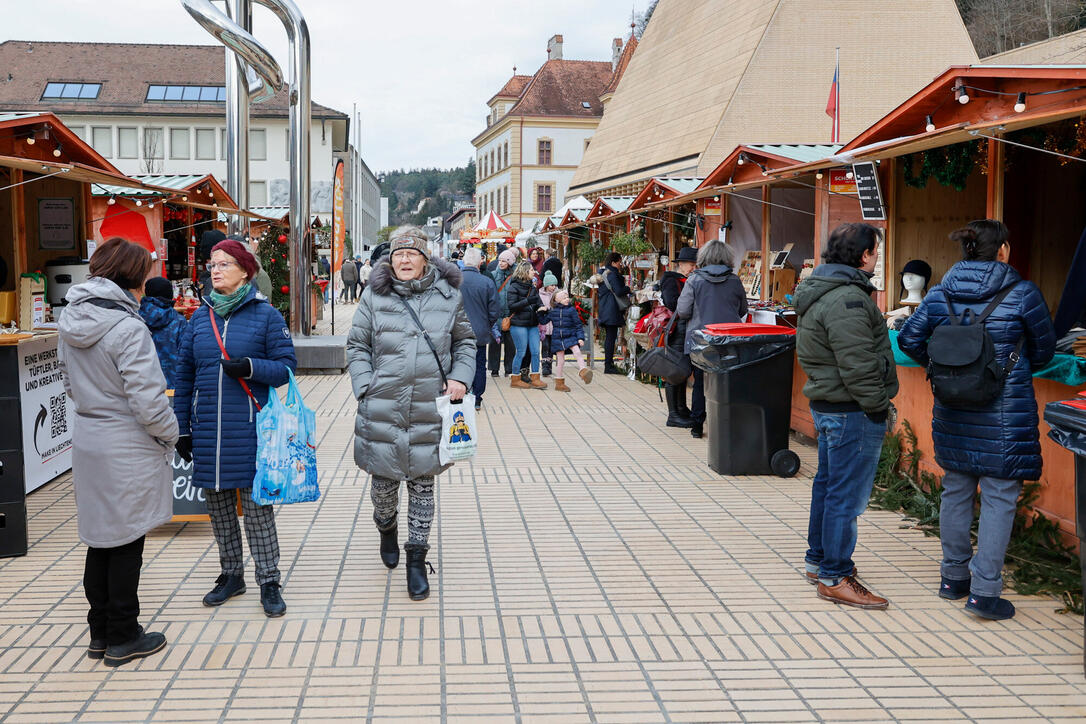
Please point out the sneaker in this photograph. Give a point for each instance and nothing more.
(992, 608)
(226, 587)
(850, 592)
(143, 645)
(96, 649)
(952, 589)
(272, 600)
(478, 404)
(812, 578)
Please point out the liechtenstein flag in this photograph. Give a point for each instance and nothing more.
(833, 105)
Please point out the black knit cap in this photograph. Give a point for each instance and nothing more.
(921, 267)
(158, 287)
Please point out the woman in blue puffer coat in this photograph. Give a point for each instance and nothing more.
(217, 415)
(996, 447)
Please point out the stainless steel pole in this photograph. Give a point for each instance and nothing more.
(237, 121)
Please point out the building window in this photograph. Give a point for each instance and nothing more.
(102, 140)
(493, 165)
(258, 145)
(544, 198)
(187, 93)
(222, 144)
(179, 143)
(80, 131)
(71, 91)
(490, 204)
(153, 143)
(544, 152)
(128, 145)
(505, 199)
(258, 193)
(205, 143)
(507, 153)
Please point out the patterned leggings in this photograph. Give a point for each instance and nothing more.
(385, 494)
(259, 530)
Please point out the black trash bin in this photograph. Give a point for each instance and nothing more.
(1068, 422)
(748, 397)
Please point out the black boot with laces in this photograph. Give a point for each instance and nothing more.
(418, 588)
(226, 587)
(272, 600)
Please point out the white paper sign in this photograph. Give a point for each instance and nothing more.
(46, 413)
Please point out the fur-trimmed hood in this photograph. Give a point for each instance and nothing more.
(445, 274)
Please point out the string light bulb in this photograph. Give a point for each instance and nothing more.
(1020, 104)
(818, 175)
(742, 159)
(961, 95)
(848, 175)
(139, 202)
(57, 151)
(111, 201)
(30, 140)
(929, 125)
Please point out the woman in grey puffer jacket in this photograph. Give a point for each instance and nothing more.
(396, 380)
(124, 429)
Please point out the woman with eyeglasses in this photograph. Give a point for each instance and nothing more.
(236, 349)
(410, 342)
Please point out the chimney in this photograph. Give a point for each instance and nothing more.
(616, 53)
(554, 48)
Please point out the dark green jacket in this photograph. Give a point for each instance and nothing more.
(842, 342)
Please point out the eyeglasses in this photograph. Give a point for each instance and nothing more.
(405, 253)
(223, 265)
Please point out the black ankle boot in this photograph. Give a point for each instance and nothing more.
(680, 401)
(418, 588)
(390, 547)
(697, 429)
(524, 376)
(674, 417)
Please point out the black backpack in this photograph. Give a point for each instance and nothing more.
(962, 366)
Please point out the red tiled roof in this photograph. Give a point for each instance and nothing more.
(513, 87)
(623, 61)
(560, 87)
(124, 70)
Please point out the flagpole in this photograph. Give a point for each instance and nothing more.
(837, 115)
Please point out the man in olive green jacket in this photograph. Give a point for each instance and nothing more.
(844, 348)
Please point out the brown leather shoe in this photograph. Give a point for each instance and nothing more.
(586, 375)
(536, 383)
(812, 578)
(517, 383)
(560, 385)
(850, 592)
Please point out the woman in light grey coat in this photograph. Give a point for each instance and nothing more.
(396, 380)
(124, 433)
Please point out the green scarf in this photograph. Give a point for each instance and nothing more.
(224, 304)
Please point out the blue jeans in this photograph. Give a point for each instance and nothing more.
(998, 502)
(849, 444)
(478, 386)
(525, 338)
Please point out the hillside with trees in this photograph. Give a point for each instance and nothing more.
(416, 195)
(998, 25)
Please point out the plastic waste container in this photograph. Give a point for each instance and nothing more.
(1068, 422)
(748, 397)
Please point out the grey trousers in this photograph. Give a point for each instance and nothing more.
(998, 502)
(385, 494)
(259, 530)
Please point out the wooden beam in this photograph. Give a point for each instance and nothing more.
(18, 224)
(893, 261)
(766, 198)
(996, 179)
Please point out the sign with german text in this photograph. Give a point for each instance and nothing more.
(840, 183)
(46, 412)
(866, 175)
(56, 224)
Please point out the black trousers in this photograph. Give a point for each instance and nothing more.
(697, 397)
(610, 336)
(111, 579)
(494, 353)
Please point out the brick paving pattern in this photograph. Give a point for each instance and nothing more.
(590, 568)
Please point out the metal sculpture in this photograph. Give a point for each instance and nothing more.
(252, 75)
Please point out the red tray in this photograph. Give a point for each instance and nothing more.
(748, 330)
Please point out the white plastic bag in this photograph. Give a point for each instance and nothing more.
(458, 432)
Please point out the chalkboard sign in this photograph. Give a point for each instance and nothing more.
(867, 188)
(188, 501)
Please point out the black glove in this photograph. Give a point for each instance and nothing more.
(878, 417)
(237, 368)
(184, 448)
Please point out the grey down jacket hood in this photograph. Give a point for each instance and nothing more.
(394, 374)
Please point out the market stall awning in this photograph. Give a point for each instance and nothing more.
(75, 172)
(492, 222)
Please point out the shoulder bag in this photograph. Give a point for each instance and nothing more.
(507, 322)
(623, 302)
(667, 363)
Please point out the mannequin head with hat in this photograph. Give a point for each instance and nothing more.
(915, 277)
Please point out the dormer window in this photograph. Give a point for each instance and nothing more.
(71, 91)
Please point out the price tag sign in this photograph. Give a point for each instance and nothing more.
(866, 175)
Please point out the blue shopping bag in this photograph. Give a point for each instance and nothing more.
(286, 450)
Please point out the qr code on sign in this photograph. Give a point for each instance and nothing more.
(58, 415)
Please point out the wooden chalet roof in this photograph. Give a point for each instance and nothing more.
(709, 75)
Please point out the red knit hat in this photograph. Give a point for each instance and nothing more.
(240, 254)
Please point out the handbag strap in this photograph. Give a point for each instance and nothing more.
(222, 347)
(662, 340)
(429, 342)
(504, 283)
(607, 281)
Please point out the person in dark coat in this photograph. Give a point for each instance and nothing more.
(481, 303)
(553, 265)
(208, 240)
(567, 335)
(711, 295)
(996, 447)
(524, 308)
(671, 287)
(502, 275)
(166, 324)
(610, 316)
(217, 415)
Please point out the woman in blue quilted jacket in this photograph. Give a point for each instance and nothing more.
(217, 397)
(996, 447)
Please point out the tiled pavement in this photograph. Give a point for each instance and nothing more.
(590, 568)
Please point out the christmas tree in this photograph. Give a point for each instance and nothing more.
(274, 254)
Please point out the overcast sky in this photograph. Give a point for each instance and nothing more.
(420, 71)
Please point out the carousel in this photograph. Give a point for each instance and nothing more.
(491, 231)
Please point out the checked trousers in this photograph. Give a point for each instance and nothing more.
(259, 530)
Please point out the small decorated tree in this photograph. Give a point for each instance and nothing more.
(274, 254)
